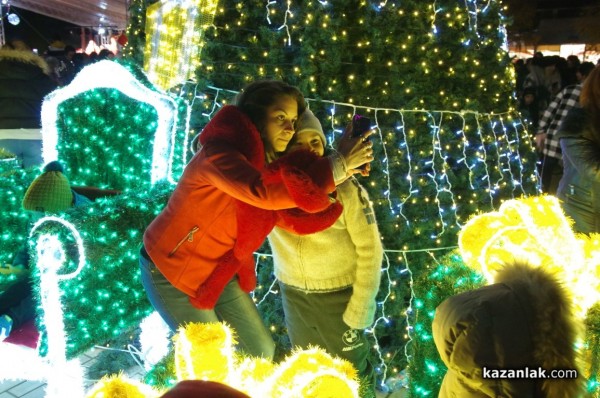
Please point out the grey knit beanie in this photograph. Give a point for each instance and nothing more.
(309, 122)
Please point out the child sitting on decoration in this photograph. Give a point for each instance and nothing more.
(329, 279)
(523, 322)
(49, 193)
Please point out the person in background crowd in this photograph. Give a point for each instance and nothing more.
(546, 141)
(570, 76)
(24, 82)
(105, 54)
(536, 80)
(579, 137)
(553, 77)
(528, 107)
(329, 295)
(197, 255)
(49, 193)
(67, 70)
(521, 72)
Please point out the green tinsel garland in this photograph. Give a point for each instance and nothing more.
(448, 278)
(592, 346)
(106, 299)
(14, 182)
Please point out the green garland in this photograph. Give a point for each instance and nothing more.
(106, 299)
(445, 279)
(592, 349)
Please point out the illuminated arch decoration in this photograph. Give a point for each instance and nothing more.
(175, 32)
(90, 126)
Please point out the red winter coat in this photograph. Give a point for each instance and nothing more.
(224, 206)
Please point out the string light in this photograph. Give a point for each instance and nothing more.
(165, 132)
(175, 31)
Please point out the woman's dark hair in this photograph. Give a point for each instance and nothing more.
(256, 97)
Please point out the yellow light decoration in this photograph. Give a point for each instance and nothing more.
(204, 351)
(314, 373)
(175, 31)
(534, 230)
(121, 386)
(253, 374)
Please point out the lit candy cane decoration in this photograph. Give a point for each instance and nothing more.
(65, 377)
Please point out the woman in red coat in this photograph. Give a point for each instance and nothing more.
(197, 260)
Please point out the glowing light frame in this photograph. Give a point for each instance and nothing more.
(109, 74)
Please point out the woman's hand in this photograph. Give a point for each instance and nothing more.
(356, 151)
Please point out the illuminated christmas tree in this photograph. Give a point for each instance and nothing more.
(436, 81)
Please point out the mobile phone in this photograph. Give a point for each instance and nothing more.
(360, 125)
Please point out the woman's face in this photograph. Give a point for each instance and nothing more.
(310, 140)
(279, 123)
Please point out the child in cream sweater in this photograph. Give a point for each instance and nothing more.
(329, 279)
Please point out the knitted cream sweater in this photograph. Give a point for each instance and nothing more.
(349, 253)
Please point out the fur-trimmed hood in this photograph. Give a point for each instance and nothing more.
(525, 319)
(25, 57)
(232, 126)
(554, 328)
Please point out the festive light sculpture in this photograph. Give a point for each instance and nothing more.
(535, 230)
(205, 351)
(161, 133)
(175, 30)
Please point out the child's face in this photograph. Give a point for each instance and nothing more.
(528, 98)
(307, 139)
(279, 126)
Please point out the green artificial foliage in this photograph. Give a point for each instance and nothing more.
(135, 32)
(106, 298)
(14, 182)
(115, 151)
(163, 374)
(106, 138)
(116, 356)
(592, 350)
(443, 279)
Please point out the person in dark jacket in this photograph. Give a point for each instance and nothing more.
(24, 82)
(579, 136)
(523, 322)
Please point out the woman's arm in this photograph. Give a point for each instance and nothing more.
(300, 180)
